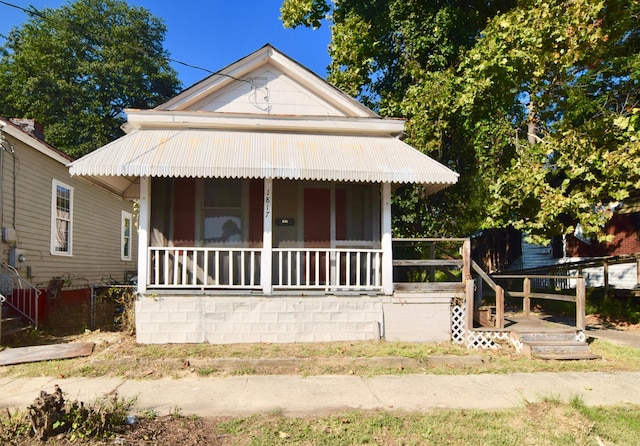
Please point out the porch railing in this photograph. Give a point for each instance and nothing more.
(321, 269)
(199, 268)
(328, 269)
(20, 295)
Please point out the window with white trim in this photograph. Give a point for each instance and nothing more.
(61, 218)
(125, 252)
(222, 210)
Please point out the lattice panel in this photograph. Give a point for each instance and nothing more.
(458, 317)
(487, 340)
(580, 336)
(478, 339)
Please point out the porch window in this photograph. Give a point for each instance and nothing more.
(125, 253)
(61, 218)
(222, 210)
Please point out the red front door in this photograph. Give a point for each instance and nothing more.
(317, 231)
(317, 217)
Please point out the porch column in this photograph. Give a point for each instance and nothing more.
(144, 222)
(387, 253)
(267, 238)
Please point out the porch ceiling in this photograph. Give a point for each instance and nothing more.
(255, 154)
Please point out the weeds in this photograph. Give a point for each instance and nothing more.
(125, 299)
(207, 371)
(51, 415)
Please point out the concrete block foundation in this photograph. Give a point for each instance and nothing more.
(287, 319)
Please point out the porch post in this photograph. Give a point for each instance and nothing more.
(267, 238)
(144, 222)
(387, 256)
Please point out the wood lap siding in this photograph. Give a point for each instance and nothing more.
(96, 229)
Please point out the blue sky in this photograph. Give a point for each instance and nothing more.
(213, 33)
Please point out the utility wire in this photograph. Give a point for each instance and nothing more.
(32, 11)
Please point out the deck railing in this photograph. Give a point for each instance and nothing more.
(578, 295)
(20, 295)
(324, 269)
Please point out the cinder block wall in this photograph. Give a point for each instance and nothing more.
(413, 318)
(228, 320)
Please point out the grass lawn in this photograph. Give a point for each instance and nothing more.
(546, 422)
(117, 354)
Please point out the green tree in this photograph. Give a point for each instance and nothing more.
(399, 57)
(533, 102)
(76, 68)
(571, 71)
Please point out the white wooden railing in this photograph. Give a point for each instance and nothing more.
(201, 268)
(328, 269)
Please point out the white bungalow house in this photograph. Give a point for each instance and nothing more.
(265, 210)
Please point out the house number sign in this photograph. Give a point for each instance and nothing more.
(267, 203)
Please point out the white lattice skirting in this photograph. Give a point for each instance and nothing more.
(458, 324)
(477, 339)
(485, 339)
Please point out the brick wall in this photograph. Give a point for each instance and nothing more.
(626, 240)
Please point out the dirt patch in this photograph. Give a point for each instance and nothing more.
(598, 321)
(172, 429)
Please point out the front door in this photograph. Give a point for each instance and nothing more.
(317, 233)
(318, 226)
(317, 217)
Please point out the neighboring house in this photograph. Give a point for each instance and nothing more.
(265, 211)
(61, 233)
(621, 254)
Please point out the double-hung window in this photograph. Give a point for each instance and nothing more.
(61, 218)
(125, 253)
(222, 210)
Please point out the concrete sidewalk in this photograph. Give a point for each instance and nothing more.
(620, 337)
(297, 396)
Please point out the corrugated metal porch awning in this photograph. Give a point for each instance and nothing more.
(254, 154)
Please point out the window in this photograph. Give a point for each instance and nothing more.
(61, 218)
(125, 252)
(222, 210)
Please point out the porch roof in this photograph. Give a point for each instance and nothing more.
(256, 154)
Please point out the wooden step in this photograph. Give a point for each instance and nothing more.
(555, 335)
(553, 345)
(486, 316)
(535, 347)
(567, 356)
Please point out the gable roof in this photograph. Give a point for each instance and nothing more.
(21, 135)
(256, 71)
(264, 116)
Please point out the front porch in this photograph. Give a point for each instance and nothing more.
(327, 270)
(267, 236)
(318, 295)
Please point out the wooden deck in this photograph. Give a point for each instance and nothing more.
(518, 322)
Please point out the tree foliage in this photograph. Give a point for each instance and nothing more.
(399, 57)
(76, 68)
(533, 102)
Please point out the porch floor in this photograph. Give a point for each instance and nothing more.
(539, 322)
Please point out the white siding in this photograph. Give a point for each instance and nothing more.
(269, 91)
(96, 223)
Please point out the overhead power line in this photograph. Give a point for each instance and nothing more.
(32, 11)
